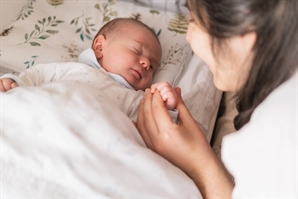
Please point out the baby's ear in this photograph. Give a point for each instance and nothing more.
(98, 45)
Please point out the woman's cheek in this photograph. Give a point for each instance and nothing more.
(188, 33)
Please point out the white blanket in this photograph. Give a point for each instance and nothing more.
(63, 140)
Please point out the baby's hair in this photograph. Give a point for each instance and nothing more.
(118, 25)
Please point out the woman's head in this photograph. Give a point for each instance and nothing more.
(251, 46)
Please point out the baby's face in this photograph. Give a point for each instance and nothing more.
(134, 54)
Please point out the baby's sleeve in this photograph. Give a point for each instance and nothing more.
(46, 73)
(37, 75)
(174, 115)
(12, 77)
(30, 77)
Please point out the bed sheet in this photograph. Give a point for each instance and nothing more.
(98, 153)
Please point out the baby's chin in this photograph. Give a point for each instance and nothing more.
(141, 87)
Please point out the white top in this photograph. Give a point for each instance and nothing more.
(262, 155)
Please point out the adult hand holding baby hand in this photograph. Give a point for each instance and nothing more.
(183, 144)
(179, 143)
(167, 94)
(6, 84)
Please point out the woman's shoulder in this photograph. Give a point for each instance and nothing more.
(277, 111)
(281, 101)
(261, 155)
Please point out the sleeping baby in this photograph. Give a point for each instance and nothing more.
(125, 54)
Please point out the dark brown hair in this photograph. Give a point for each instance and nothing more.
(276, 25)
(118, 25)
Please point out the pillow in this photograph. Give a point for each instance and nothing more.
(168, 5)
(57, 30)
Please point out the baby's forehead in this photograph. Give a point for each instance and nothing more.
(129, 27)
(133, 25)
(136, 25)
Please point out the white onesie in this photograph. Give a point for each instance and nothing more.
(115, 87)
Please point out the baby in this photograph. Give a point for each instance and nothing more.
(124, 51)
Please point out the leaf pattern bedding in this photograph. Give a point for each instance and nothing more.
(52, 31)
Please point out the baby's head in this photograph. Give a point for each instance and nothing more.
(129, 48)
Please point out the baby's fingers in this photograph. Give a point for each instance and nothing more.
(1, 86)
(153, 87)
(14, 84)
(161, 114)
(158, 86)
(6, 84)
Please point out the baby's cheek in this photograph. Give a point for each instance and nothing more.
(148, 83)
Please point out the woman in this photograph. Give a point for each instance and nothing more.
(250, 47)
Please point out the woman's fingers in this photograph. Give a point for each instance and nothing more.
(149, 119)
(184, 115)
(153, 119)
(140, 124)
(160, 112)
(145, 121)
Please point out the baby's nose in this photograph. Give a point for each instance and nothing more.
(145, 63)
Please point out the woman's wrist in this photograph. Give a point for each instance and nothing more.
(208, 173)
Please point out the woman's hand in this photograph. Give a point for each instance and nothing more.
(167, 94)
(183, 144)
(179, 143)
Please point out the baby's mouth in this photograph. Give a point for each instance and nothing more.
(140, 75)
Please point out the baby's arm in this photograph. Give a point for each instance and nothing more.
(167, 93)
(37, 75)
(6, 84)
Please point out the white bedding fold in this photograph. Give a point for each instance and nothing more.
(63, 140)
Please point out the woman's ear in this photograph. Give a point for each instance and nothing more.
(243, 44)
(98, 46)
(249, 40)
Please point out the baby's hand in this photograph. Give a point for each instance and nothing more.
(167, 93)
(6, 84)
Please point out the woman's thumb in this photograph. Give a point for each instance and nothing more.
(184, 113)
(178, 91)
